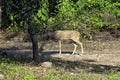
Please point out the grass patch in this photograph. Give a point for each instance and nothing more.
(16, 71)
(58, 75)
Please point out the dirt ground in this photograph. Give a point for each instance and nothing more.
(103, 52)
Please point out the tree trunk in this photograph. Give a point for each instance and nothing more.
(35, 47)
(0, 13)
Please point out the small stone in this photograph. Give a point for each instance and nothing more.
(46, 64)
(90, 68)
(8, 41)
(102, 67)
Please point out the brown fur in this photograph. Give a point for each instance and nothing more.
(67, 35)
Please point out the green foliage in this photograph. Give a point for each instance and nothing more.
(97, 14)
(41, 16)
(62, 14)
(66, 14)
(13, 27)
(65, 10)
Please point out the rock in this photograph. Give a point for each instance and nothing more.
(46, 64)
(2, 77)
(102, 67)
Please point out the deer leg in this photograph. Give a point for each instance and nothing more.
(81, 47)
(75, 46)
(59, 46)
(77, 41)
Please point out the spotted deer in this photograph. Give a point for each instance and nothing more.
(62, 35)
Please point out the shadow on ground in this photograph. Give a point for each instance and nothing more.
(25, 57)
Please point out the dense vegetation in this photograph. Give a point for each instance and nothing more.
(60, 14)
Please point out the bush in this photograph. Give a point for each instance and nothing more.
(61, 14)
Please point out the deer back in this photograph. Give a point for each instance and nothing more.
(63, 35)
